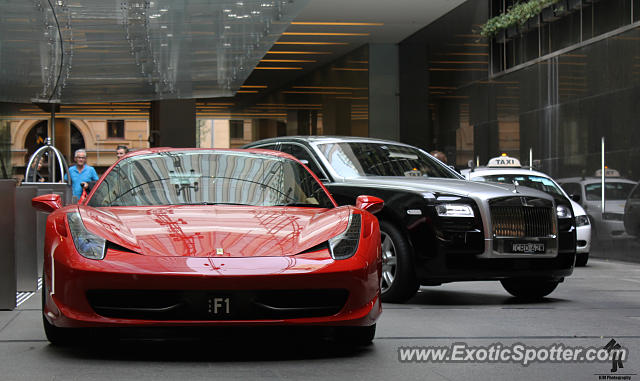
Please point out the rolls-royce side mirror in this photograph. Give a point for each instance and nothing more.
(371, 204)
(47, 202)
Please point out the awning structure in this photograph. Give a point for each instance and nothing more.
(78, 51)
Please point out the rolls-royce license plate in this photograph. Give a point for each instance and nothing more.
(527, 247)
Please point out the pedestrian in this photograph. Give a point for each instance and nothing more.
(121, 151)
(33, 173)
(81, 173)
(439, 155)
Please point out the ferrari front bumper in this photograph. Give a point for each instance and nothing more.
(127, 289)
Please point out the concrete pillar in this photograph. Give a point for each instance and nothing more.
(63, 137)
(384, 107)
(173, 123)
(221, 133)
(302, 122)
(415, 121)
(336, 117)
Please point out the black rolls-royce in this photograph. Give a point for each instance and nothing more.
(437, 227)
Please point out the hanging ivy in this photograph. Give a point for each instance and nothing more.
(518, 14)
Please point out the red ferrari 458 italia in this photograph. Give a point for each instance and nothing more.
(202, 237)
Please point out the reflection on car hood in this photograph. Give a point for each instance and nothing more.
(474, 189)
(215, 230)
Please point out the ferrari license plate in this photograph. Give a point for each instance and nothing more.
(219, 306)
(527, 247)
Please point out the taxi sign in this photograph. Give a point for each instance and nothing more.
(504, 161)
(608, 172)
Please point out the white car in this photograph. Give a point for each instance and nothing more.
(540, 181)
(588, 191)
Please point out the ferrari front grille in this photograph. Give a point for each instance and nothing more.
(211, 305)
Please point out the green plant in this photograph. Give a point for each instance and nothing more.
(518, 14)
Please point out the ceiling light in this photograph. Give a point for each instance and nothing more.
(277, 68)
(349, 69)
(337, 23)
(323, 34)
(288, 61)
(295, 52)
(309, 43)
(318, 92)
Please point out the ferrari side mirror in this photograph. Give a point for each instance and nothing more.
(369, 203)
(47, 202)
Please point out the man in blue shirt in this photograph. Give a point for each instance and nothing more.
(81, 173)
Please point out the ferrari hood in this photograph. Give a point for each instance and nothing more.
(215, 230)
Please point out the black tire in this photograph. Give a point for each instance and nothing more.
(403, 284)
(582, 259)
(55, 335)
(529, 288)
(356, 336)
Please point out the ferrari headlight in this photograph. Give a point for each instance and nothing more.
(582, 220)
(454, 210)
(87, 244)
(345, 244)
(563, 212)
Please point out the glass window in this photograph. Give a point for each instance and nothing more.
(636, 193)
(115, 129)
(572, 188)
(236, 128)
(613, 191)
(303, 155)
(207, 178)
(351, 160)
(269, 146)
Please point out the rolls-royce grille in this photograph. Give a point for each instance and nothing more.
(522, 221)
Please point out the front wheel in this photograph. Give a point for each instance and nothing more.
(529, 288)
(398, 274)
(582, 259)
(55, 335)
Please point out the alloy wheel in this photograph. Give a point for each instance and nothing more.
(389, 262)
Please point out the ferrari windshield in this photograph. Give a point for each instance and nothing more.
(532, 181)
(363, 159)
(208, 178)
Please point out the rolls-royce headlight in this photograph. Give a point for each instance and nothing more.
(87, 244)
(582, 220)
(345, 244)
(563, 212)
(454, 210)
